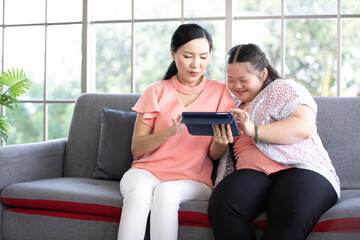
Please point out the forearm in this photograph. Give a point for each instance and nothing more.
(298, 126)
(148, 143)
(216, 150)
(288, 131)
(144, 140)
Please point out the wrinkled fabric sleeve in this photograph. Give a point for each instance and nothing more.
(286, 97)
(148, 105)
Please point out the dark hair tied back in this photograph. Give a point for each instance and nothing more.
(182, 35)
(252, 54)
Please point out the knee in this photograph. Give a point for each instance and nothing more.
(303, 220)
(216, 201)
(165, 193)
(220, 197)
(139, 192)
(219, 203)
(295, 220)
(214, 207)
(295, 213)
(292, 226)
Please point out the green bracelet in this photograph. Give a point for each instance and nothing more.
(256, 134)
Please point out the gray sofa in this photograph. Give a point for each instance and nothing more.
(69, 188)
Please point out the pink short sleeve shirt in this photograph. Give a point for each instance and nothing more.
(182, 156)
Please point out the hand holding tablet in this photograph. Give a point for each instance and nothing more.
(200, 123)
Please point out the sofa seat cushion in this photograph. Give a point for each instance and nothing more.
(344, 216)
(76, 195)
(84, 199)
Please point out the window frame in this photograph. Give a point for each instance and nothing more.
(87, 75)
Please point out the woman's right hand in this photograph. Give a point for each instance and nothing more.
(144, 140)
(177, 126)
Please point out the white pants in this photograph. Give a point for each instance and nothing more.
(143, 192)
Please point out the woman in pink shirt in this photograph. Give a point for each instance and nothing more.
(170, 165)
(282, 167)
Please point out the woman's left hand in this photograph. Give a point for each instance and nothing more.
(222, 134)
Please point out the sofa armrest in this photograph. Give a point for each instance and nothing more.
(32, 161)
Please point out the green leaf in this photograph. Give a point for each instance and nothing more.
(12, 85)
(16, 82)
(8, 101)
(3, 128)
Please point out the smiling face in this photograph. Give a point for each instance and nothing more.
(244, 83)
(191, 60)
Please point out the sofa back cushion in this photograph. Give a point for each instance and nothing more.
(84, 133)
(337, 123)
(339, 129)
(114, 155)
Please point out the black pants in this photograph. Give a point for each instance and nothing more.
(294, 200)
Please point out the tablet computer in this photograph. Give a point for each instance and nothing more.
(199, 123)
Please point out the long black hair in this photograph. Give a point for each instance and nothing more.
(183, 34)
(252, 54)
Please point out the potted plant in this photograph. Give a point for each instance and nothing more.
(13, 83)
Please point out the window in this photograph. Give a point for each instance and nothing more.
(44, 38)
(312, 42)
(125, 57)
(67, 47)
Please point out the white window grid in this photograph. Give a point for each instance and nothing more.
(87, 84)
